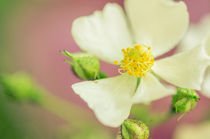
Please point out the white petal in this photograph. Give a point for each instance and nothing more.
(151, 89)
(185, 69)
(103, 33)
(206, 84)
(193, 131)
(158, 23)
(206, 43)
(195, 34)
(110, 98)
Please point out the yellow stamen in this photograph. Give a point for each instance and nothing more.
(116, 62)
(138, 60)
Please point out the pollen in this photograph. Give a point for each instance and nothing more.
(137, 61)
(115, 62)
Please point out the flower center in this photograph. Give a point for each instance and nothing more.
(138, 60)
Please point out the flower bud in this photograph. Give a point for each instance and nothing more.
(134, 129)
(85, 66)
(20, 87)
(184, 100)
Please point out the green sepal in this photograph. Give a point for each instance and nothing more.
(101, 75)
(134, 129)
(184, 100)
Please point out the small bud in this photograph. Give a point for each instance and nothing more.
(85, 66)
(134, 129)
(184, 100)
(20, 87)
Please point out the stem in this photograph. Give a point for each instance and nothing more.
(137, 83)
(73, 114)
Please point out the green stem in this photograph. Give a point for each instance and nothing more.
(73, 114)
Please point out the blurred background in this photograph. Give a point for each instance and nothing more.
(32, 34)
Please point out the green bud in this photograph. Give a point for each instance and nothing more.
(85, 66)
(184, 100)
(134, 129)
(20, 87)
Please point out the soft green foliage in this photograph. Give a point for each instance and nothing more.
(150, 118)
(7, 11)
(10, 127)
(89, 132)
(20, 87)
(184, 100)
(134, 129)
(84, 65)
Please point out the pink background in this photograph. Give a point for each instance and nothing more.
(41, 29)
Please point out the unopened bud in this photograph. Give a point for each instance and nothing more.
(134, 129)
(20, 87)
(184, 100)
(85, 66)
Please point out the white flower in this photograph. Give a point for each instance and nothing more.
(195, 34)
(189, 131)
(156, 23)
(199, 34)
